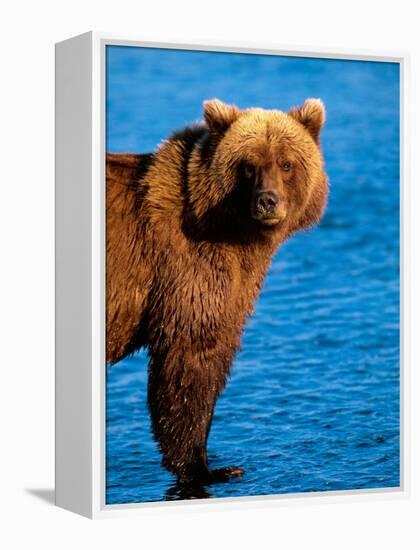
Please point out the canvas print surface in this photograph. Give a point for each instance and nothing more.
(252, 275)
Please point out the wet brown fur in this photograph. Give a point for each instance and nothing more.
(186, 259)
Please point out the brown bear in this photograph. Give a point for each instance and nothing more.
(191, 230)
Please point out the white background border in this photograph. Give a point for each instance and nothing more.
(29, 31)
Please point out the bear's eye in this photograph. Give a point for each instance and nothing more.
(286, 166)
(249, 170)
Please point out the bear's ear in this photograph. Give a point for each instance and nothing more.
(218, 115)
(311, 115)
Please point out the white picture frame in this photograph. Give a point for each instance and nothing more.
(80, 275)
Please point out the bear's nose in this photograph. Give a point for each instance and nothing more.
(266, 201)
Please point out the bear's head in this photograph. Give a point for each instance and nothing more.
(268, 164)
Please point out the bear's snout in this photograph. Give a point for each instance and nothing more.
(268, 208)
(266, 202)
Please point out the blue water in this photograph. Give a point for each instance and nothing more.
(313, 400)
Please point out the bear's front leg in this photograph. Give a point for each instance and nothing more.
(182, 393)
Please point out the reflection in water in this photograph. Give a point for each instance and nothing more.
(187, 492)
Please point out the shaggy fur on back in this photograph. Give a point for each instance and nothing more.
(191, 233)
